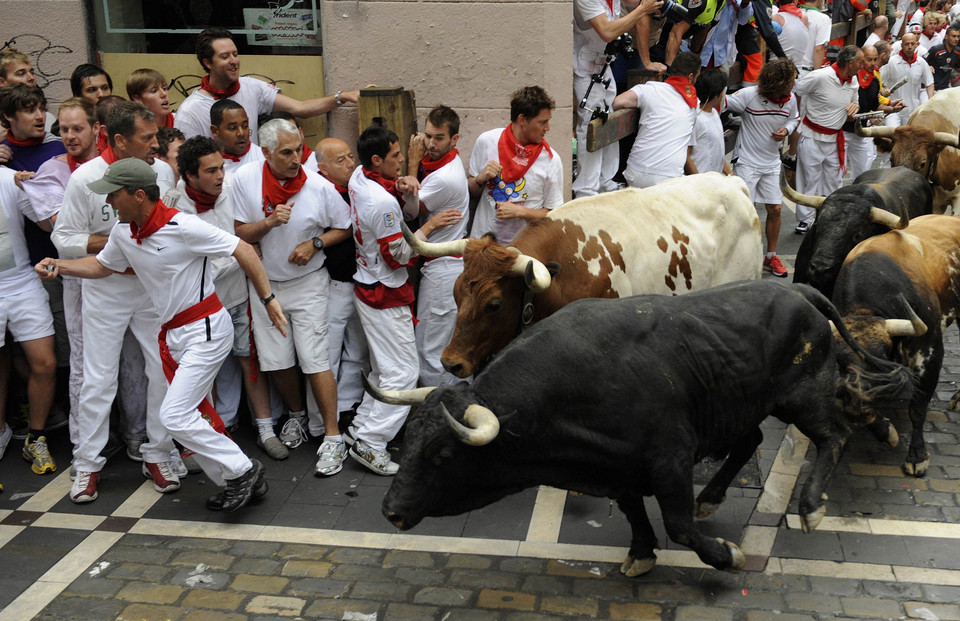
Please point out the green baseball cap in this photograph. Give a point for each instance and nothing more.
(126, 173)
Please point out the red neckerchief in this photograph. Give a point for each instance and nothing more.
(516, 158)
(29, 142)
(910, 60)
(307, 152)
(390, 185)
(168, 121)
(836, 69)
(274, 193)
(685, 88)
(160, 215)
(108, 155)
(73, 162)
(780, 100)
(237, 158)
(610, 4)
(205, 308)
(219, 94)
(340, 188)
(428, 166)
(865, 78)
(202, 200)
(792, 9)
(102, 144)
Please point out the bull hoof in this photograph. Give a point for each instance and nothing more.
(632, 567)
(706, 509)
(810, 521)
(918, 469)
(737, 558)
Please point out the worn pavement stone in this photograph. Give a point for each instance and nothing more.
(571, 606)
(702, 613)
(636, 612)
(443, 596)
(259, 584)
(381, 591)
(467, 561)
(494, 598)
(871, 607)
(146, 612)
(407, 558)
(307, 569)
(150, 593)
(275, 605)
(219, 600)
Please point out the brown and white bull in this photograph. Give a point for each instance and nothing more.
(681, 235)
(928, 144)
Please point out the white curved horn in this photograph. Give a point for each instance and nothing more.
(483, 425)
(798, 198)
(879, 131)
(414, 396)
(433, 249)
(886, 218)
(946, 139)
(539, 280)
(902, 327)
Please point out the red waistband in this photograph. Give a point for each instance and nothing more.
(198, 311)
(820, 128)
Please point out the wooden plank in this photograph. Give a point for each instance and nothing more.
(390, 107)
(620, 124)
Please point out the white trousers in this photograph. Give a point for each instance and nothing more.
(637, 179)
(199, 360)
(393, 356)
(437, 312)
(596, 169)
(111, 305)
(860, 154)
(818, 172)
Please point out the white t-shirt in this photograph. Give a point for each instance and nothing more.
(172, 262)
(873, 39)
(229, 279)
(588, 46)
(759, 119)
(928, 42)
(913, 93)
(825, 100)
(84, 213)
(710, 150)
(16, 269)
(256, 96)
(795, 38)
(376, 221)
(819, 26)
(316, 206)
(540, 188)
(46, 188)
(665, 130)
(253, 154)
(446, 188)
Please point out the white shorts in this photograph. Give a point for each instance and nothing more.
(304, 302)
(27, 316)
(241, 330)
(764, 185)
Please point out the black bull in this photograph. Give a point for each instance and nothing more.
(844, 220)
(620, 398)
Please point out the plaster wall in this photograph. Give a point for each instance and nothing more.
(469, 55)
(53, 34)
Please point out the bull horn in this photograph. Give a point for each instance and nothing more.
(892, 220)
(833, 328)
(913, 326)
(414, 396)
(798, 198)
(946, 139)
(433, 249)
(879, 131)
(539, 279)
(483, 425)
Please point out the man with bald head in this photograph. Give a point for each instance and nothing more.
(348, 345)
(919, 87)
(861, 152)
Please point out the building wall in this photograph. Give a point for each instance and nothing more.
(469, 55)
(52, 34)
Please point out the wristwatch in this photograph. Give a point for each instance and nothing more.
(268, 299)
(336, 98)
(317, 244)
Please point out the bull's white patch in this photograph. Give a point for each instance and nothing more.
(388, 219)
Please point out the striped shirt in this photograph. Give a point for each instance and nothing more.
(760, 118)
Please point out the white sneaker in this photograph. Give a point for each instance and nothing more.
(133, 450)
(374, 459)
(330, 458)
(84, 488)
(176, 464)
(5, 438)
(294, 432)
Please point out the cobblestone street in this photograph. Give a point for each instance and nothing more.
(888, 548)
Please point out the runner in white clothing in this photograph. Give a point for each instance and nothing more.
(710, 151)
(170, 251)
(444, 211)
(218, 56)
(231, 129)
(910, 64)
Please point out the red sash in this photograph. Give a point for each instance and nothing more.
(428, 166)
(685, 88)
(841, 143)
(516, 158)
(29, 142)
(237, 158)
(202, 200)
(276, 194)
(201, 310)
(160, 215)
(217, 93)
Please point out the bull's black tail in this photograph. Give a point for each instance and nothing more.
(879, 384)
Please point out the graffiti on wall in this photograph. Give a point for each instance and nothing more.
(188, 82)
(43, 55)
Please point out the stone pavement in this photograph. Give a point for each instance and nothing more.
(889, 547)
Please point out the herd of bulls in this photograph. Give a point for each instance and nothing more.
(621, 397)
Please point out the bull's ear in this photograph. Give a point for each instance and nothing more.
(490, 236)
(553, 267)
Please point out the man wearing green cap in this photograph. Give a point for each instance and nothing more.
(169, 251)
